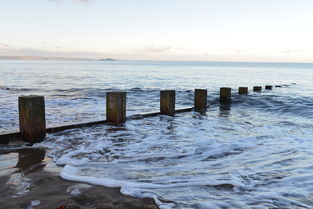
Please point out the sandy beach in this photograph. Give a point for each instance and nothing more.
(30, 180)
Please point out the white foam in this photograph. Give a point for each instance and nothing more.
(212, 161)
(20, 183)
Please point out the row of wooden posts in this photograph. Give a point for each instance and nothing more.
(32, 119)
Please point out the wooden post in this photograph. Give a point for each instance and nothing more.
(32, 118)
(225, 95)
(243, 90)
(268, 87)
(201, 97)
(167, 102)
(257, 88)
(116, 107)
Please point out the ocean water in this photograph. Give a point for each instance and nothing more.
(255, 153)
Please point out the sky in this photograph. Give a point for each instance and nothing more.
(206, 30)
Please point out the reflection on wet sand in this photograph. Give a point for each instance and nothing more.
(29, 159)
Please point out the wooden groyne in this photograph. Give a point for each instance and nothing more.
(32, 118)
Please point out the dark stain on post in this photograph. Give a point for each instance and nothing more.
(225, 95)
(201, 100)
(268, 87)
(243, 90)
(32, 118)
(116, 107)
(257, 88)
(167, 102)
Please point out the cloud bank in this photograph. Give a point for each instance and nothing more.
(153, 49)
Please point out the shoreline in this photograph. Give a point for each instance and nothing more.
(36, 184)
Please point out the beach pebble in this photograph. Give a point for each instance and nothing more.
(35, 203)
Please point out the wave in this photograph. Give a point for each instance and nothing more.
(15, 89)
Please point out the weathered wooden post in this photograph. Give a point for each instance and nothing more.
(201, 100)
(225, 95)
(32, 118)
(243, 90)
(116, 107)
(167, 102)
(268, 87)
(257, 88)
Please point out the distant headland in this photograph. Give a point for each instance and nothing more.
(35, 58)
(52, 58)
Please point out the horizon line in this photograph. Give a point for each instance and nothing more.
(56, 58)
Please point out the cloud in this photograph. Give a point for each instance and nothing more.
(153, 49)
(239, 51)
(81, 1)
(72, 1)
(5, 46)
(291, 51)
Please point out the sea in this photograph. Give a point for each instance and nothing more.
(255, 153)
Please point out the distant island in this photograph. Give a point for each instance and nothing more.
(107, 59)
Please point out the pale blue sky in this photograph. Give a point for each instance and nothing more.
(212, 30)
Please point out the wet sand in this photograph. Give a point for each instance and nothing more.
(32, 182)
